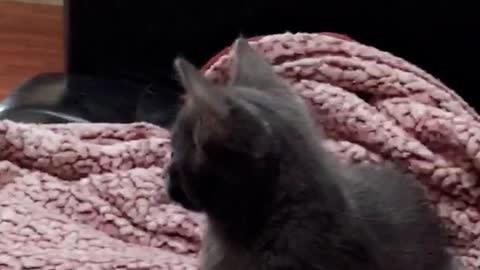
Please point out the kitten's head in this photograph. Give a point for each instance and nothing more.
(228, 140)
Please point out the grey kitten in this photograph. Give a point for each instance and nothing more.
(249, 156)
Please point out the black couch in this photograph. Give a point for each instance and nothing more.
(119, 52)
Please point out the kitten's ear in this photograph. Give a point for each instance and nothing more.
(203, 93)
(251, 69)
(226, 125)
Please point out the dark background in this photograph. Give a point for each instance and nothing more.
(133, 43)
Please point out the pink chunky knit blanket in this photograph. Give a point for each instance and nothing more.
(91, 196)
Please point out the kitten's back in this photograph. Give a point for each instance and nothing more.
(394, 208)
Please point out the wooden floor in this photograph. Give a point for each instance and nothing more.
(31, 42)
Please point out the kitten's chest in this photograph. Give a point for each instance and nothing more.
(216, 254)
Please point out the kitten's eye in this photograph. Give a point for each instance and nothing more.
(173, 156)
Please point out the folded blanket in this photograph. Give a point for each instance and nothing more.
(91, 196)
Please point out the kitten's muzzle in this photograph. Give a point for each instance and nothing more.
(176, 192)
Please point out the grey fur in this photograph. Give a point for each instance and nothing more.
(274, 199)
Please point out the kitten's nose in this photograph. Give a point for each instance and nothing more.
(172, 183)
